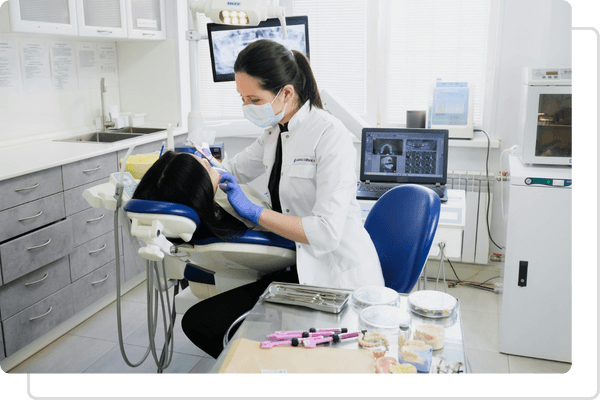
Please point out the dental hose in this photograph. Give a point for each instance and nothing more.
(167, 353)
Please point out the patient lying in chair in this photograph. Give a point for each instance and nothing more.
(190, 180)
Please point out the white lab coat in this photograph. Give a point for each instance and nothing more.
(318, 183)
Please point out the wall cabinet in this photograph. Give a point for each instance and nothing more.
(111, 19)
(102, 18)
(43, 16)
(146, 19)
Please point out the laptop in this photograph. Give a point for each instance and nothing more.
(392, 157)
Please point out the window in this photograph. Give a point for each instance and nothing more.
(430, 39)
(381, 57)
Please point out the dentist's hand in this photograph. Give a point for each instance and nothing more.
(238, 199)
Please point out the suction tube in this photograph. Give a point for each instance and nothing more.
(152, 311)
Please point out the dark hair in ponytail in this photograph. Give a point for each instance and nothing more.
(275, 66)
(180, 178)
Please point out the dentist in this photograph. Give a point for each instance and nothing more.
(310, 161)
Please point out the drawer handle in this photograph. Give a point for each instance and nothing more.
(27, 188)
(43, 315)
(100, 281)
(93, 169)
(95, 219)
(38, 281)
(41, 245)
(33, 216)
(95, 251)
(104, 32)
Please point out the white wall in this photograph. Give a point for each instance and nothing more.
(532, 33)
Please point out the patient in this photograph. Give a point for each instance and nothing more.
(190, 180)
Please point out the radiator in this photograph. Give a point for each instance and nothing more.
(476, 242)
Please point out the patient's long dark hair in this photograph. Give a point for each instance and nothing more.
(180, 178)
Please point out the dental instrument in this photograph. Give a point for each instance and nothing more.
(311, 343)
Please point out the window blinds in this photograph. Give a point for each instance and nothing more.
(430, 39)
(338, 37)
(423, 40)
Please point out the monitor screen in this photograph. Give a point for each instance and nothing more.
(227, 41)
(404, 155)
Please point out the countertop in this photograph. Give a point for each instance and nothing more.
(40, 154)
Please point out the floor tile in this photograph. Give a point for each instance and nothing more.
(480, 330)
(475, 299)
(204, 365)
(68, 354)
(487, 362)
(113, 362)
(524, 365)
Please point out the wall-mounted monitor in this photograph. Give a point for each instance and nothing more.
(227, 41)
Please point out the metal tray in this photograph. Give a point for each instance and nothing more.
(315, 297)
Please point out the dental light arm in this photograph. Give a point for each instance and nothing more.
(242, 12)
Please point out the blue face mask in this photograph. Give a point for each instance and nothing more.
(263, 115)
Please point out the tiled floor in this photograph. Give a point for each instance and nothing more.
(92, 347)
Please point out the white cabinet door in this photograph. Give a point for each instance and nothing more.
(43, 16)
(102, 18)
(146, 19)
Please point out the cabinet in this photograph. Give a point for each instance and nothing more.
(43, 16)
(102, 18)
(112, 19)
(57, 254)
(146, 19)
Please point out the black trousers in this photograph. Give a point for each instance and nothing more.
(205, 323)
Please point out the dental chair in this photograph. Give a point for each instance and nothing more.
(402, 224)
(167, 229)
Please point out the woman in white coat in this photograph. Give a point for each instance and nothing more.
(310, 162)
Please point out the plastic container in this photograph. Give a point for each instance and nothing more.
(403, 334)
(381, 324)
(369, 296)
(432, 304)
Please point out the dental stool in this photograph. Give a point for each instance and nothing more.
(167, 230)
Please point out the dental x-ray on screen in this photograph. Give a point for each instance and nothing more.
(227, 41)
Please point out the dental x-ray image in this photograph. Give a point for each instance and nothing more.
(387, 164)
(227, 44)
(391, 147)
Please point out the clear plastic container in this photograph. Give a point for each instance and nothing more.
(432, 304)
(369, 296)
(381, 324)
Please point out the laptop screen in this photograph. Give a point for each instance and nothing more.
(404, 155)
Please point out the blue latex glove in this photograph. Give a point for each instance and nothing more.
(238, 200)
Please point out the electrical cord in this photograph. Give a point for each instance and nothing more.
(487, 178)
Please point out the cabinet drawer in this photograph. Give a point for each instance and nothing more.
(18, 220)
(37, 320)
(95, 285)
(33, 287)
(2, 355)
(74, 201)
(26, 188)
(90, 224)
(28, 253)
(86, 171)
(93, 254)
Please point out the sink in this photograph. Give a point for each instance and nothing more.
(113, 135)
(100, 137)
(138, 130)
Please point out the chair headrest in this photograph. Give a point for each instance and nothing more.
(161, 207)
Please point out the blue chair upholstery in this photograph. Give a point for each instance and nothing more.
(161, 207)
(191, 272)
(402, 224)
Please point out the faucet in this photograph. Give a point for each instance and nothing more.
(105, 123)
